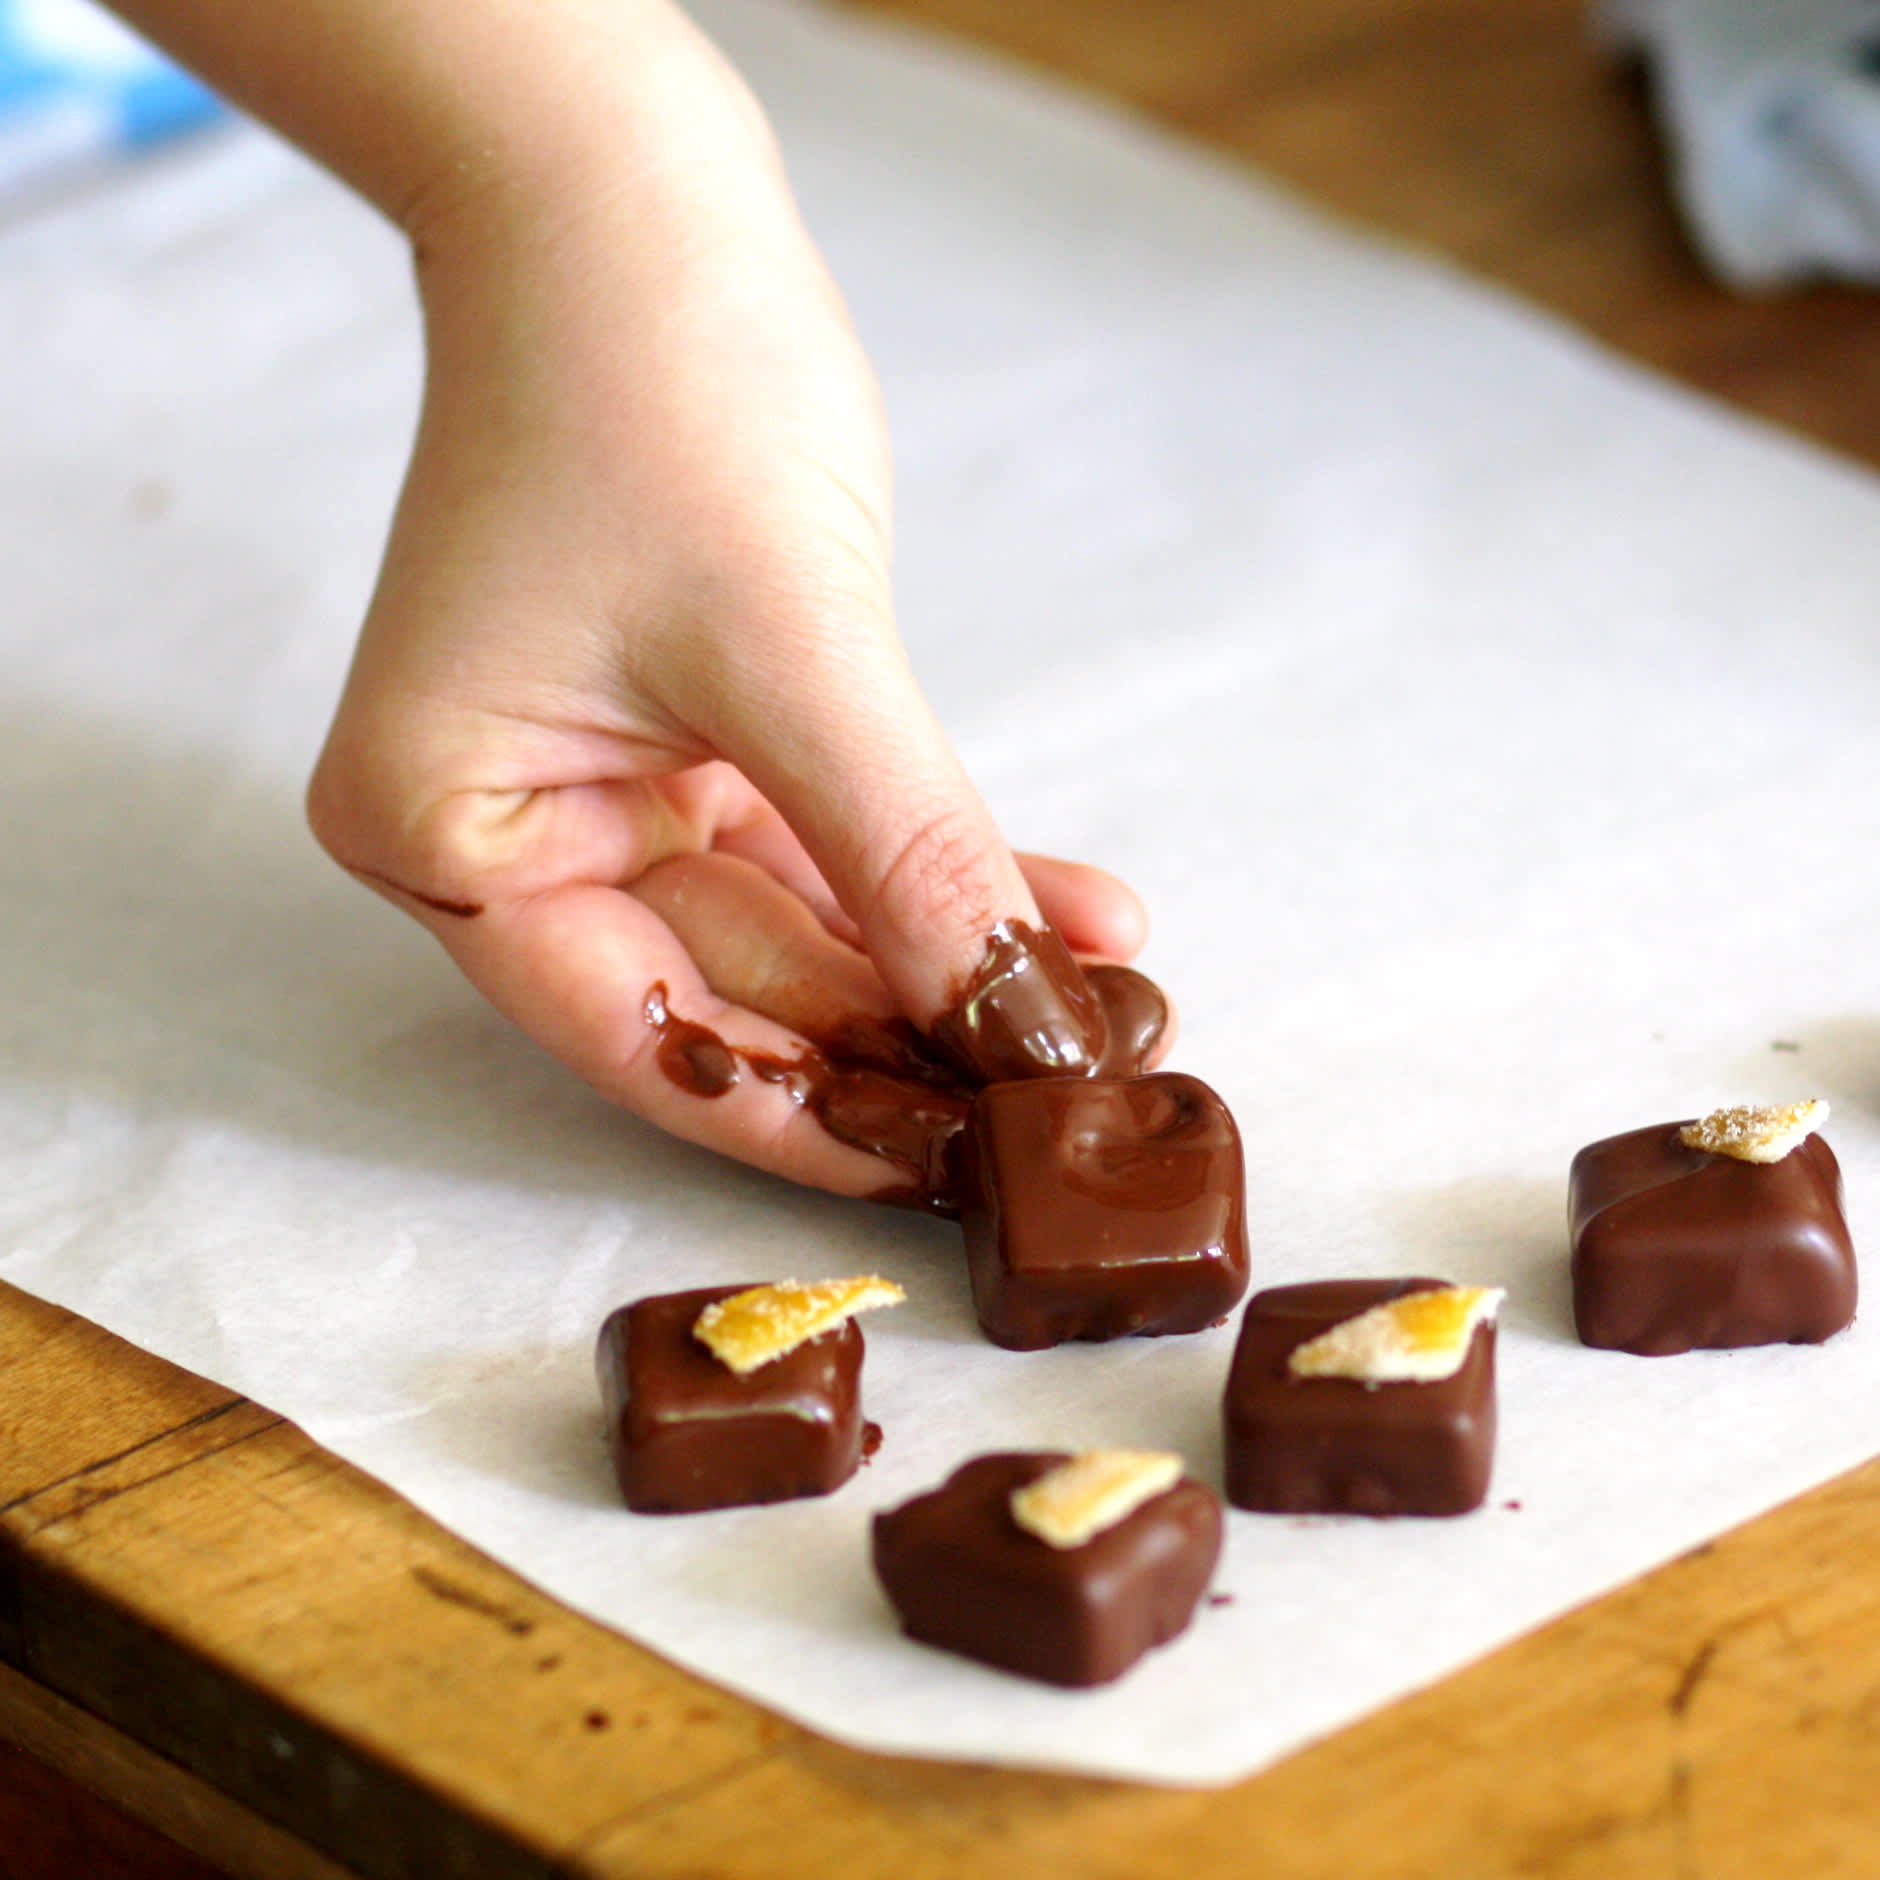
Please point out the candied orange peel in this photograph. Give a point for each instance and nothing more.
(1081, 1497)
(1418, 1337)
(751, 1328)
(1753, 1134)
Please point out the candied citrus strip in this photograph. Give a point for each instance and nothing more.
(1080, 1498)
(1756, 1134)
(762, 1323)
(1418, 1337)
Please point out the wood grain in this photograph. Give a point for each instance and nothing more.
(57, 1762)
(218, 1626)
(52, 1829)
(331, 1682)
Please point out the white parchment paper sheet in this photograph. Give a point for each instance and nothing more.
(1490, 728)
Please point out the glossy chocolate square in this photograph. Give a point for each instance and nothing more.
(1332, 1445)
(1676, 1249)
(687, 1433)
(1100, 1208)
(963, 1575)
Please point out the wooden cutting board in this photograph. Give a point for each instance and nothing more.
(233, 1635)
(211, 1621)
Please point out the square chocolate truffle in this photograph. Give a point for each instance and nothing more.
(965, 1576)
(1677, 1248)
(1340, 1445)
(1100, 1208)
(688, 1433)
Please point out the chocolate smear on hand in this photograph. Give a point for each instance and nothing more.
(879, 1085)
(692, 1055)
(908, 1121)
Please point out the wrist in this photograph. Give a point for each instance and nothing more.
(634, 131)
(427, 106)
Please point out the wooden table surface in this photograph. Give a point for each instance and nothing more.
(211, 1622)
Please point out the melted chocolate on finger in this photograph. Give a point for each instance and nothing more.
(908, 1122)
(1027, 1011)
(881, 1086)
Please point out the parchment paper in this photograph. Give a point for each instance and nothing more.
(1490, 728)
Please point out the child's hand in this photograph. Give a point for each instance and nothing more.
(635, 608)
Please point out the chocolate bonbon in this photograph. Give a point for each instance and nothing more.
(1097, 1208)
(1338, 1445)
(1679, 1247)
(688, 1433)
(964, 1575)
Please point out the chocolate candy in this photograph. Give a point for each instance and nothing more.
(1100, 1208)
(687, 1433)
(1678, 1249)
(964, 1576)
(1027, 1011)
(1333, 1445)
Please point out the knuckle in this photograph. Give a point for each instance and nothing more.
(377, 828)
(332, 809)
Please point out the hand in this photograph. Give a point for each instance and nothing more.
(629, 708)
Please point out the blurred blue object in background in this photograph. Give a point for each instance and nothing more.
(79, 92)
(1772, 112)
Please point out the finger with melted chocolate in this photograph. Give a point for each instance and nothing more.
(1026, 1011)
(909, 1125)
(866, 1074)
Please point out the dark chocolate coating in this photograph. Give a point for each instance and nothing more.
(1332, 1445)
(692, 1056)
(906, 1125)
(881, 1087)
(1676, 1249)
(1101, 1208)
(1135, 1015)
(687, 1433)
(907, 1114)
(1027, 1011)
(964, 1576)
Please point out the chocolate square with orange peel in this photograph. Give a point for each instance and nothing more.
(687, 1433)
(964, 1574)
(1340, 1444)
(1678, 1246)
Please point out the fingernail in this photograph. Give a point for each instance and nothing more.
(1027, 1010)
